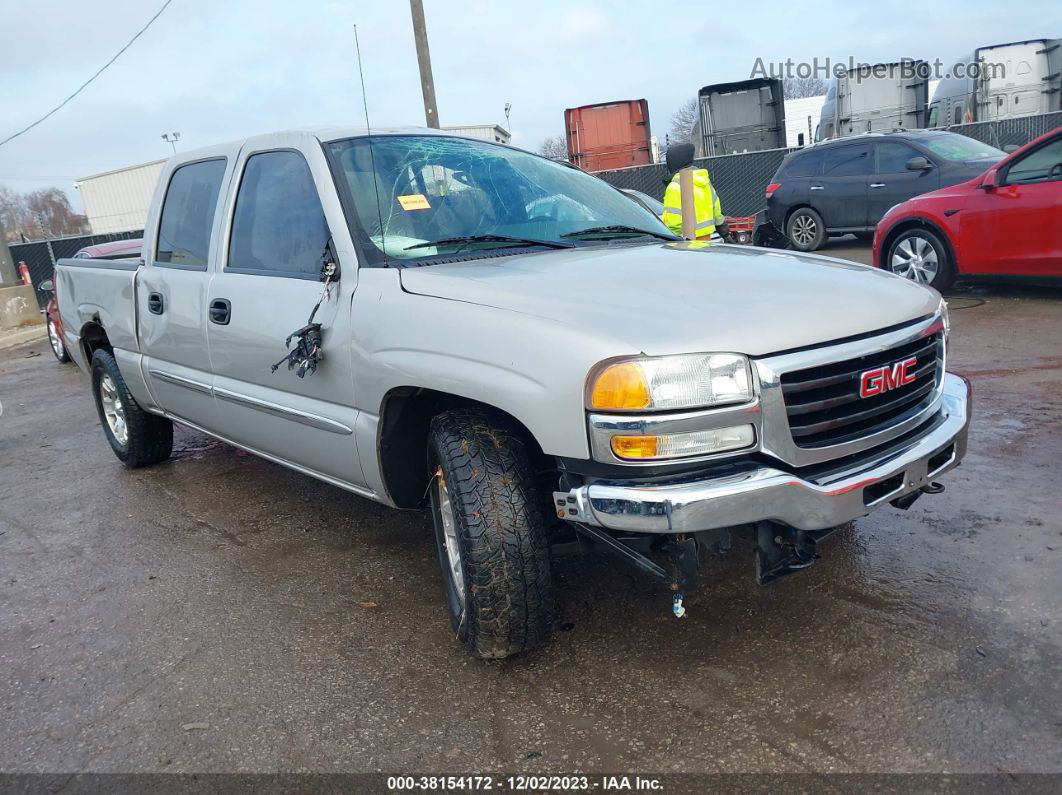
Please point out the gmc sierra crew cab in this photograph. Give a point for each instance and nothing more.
(433, 321)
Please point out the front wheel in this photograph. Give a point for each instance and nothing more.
(56, 340)
(137, 437)
(919, 255)
(491, 534)
(805, 229)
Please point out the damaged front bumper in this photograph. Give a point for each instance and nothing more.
(764, 493)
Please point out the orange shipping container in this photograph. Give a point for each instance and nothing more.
(609, 135)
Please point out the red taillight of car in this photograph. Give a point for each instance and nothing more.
(772, 188)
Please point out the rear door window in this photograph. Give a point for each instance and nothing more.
(807, 164)
(278, 225)
(846, 161)
(188, 214)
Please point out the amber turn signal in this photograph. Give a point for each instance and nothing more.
(621, 386)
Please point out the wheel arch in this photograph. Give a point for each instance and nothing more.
(917, 222)
(402, 438)
(93, 337)
(801, 206)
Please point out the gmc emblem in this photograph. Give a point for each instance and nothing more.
(882, 379)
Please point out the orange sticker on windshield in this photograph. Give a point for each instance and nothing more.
(415, 201)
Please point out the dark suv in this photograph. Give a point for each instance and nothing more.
(846, 185)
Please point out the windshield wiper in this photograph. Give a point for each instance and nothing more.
(465, 239)
(618, 230)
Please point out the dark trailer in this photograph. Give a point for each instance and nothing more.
(746, 116)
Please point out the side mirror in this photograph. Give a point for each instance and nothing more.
(918, 164)
(990, 181)
(1009, 148)
(47, 285)
(678, 157)
(330, 262)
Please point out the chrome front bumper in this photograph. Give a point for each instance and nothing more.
(766, 493)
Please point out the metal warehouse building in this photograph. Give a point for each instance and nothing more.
(118, 200)
(488, 132)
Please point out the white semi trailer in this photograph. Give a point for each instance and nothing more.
(1022, 78)
(876, 98)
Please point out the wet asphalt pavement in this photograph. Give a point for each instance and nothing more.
(220, 613)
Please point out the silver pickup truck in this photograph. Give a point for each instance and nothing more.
(432, 321)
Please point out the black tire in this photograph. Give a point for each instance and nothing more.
(805, 229)
(55, 342)
(499, 531)
(149, 438)
(918, 241)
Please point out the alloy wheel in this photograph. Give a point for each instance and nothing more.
(804, 229)
(453, 549)
(55, 340)
(113, 410)
(915, 258)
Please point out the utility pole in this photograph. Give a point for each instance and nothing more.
(8, 275)
(427, 84)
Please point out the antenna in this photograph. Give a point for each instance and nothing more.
(368, 137)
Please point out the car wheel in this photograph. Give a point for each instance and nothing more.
(56, 340)
(491, 534)
(137, 437)
(919, 255)
(805, 229)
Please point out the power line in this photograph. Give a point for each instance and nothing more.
(84, 85)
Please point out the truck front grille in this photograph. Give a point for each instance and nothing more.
(824, 405)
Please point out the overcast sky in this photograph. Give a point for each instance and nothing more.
(215, 70)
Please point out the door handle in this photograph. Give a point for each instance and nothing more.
(816, 187)
(155, 304)
(877, 184)
(220, 311)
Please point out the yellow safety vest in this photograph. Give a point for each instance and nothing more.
(705, 202)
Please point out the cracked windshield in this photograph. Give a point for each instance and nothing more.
(441, 196)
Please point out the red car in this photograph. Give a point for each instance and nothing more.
(1004, 223)
(119, 249)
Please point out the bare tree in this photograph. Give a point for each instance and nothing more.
(682, 121)
(39, 214)
(15, 215)
(800, 87)
(554, 148)
(51, 207)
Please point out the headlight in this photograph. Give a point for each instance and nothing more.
(672, 382)
(945, 316)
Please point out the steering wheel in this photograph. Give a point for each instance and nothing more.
(1056, 170)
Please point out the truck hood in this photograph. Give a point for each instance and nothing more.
(685, 297)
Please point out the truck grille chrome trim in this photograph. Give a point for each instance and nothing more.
(824, 405)
(812, 408)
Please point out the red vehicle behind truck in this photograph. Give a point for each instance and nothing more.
(1001, 224)
(609, 135)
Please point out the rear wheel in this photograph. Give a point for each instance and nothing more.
(56, 340)
(805, 229)
(137, 437)
(919, 255)
(491, 534)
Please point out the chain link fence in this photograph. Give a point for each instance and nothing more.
(40, 256)
(1008, 132)
(741, 180)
